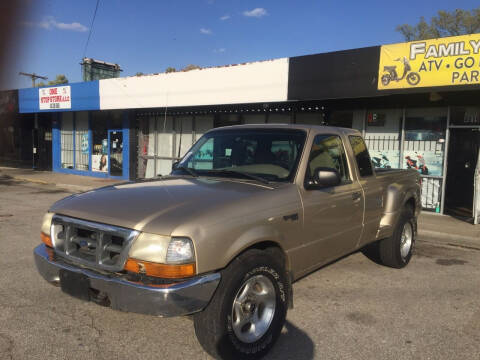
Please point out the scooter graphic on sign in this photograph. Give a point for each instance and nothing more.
(413, 78)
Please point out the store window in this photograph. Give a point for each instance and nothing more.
(352, 119)
(164, 145)
(424, 151)
(184, 135)
(315, 118)
(82, 148)
(382, 135)
(93, 141)
(99, 141)
(164, 139)
(425, 140)
(465, 116)
(341, 119)
(254, 118)
(155, 150)
(66, 141)
(227, 120)
(279, 118)
(203, 123)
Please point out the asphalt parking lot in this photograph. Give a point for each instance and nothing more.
(351, 309)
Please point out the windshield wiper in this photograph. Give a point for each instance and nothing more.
(188, 170)
(247, 175)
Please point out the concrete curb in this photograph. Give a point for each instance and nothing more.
(77, 188)
(36, 181)
(430, 236)
(72, 187)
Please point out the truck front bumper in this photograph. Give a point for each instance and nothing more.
(181, 298)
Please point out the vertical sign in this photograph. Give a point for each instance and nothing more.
(57, 97)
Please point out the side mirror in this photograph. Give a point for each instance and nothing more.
(175, 164)
(325, 177)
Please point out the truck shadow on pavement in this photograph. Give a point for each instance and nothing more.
(293, 343)
(7, 180)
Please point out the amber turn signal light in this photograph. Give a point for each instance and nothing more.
(160, 270)
(46, 239)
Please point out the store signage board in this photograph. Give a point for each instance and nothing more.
(428, 63)
(57, 97)
(465, 116)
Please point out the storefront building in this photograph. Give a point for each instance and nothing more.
(84, 140)
(417, 105)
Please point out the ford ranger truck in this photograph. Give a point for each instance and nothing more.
(245, 213)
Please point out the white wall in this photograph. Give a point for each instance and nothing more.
(252, 82)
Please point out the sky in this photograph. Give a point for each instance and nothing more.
(150, 35)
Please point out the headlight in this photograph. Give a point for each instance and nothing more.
(46, 223)
(162, 256)
(162, 249)
(150, 247)
(45, 229)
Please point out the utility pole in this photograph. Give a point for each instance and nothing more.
(33, 77)
(35, 129)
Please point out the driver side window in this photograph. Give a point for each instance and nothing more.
(327, 152)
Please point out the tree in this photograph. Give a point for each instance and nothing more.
(191, 67)
(139, 74)
(60, 79)
(454, 23)
(170, 69)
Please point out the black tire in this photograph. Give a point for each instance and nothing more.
(213, 326)
(413, 78)
(386, 79)
(389, 249)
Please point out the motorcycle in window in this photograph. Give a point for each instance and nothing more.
(412, 164)
(381, 163)
(412, 77)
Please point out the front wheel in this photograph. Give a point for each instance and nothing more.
(247, 313)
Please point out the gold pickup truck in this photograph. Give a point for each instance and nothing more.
(245, 213)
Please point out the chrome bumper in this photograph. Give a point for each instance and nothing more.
(182, 298)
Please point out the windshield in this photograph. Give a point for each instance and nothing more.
(270, 154)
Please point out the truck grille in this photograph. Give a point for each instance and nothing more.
(91, 244)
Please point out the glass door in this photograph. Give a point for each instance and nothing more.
(115, 153)
(463, 149)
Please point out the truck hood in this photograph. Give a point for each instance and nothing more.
(161, 205)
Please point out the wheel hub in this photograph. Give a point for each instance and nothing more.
(253, 308)
(406, 240)
(248, 307)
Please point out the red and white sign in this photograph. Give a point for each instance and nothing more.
(54, 98)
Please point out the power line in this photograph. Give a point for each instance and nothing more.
(91, 28)
(33, 77)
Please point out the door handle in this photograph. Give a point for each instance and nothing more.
(356, 196)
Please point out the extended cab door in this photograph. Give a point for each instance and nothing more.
(372, 188)
(333, 216)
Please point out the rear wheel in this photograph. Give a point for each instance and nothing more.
(396, 251)
(248, 310)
